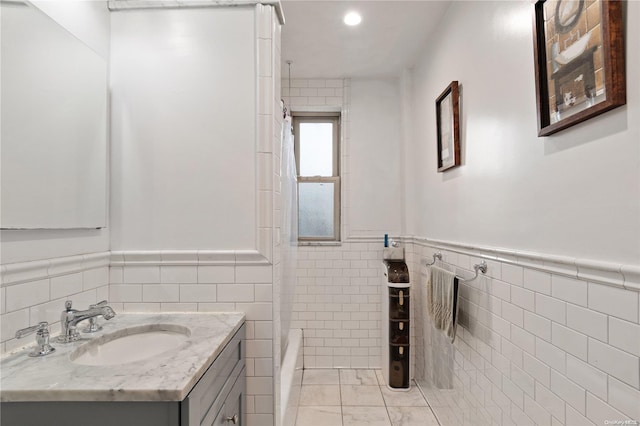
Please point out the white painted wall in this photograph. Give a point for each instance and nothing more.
(89, 21)
(576, 193)
(374, 158)
(183, 135)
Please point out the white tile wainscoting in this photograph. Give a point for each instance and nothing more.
(535, 345)
(337, 304)
(32, 292)
(168, 281)
(207, 281)
(542, 340)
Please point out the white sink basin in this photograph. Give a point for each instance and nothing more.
(131, 344)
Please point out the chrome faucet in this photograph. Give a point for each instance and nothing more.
(70, 318)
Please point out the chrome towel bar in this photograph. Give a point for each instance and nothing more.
(436, 256)
(482, 267)
(478, 267)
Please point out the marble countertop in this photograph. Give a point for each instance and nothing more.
(169, 376)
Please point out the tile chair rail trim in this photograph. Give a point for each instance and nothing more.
(21, 272)
(625, 276)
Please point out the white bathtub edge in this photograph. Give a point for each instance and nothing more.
(291, 378)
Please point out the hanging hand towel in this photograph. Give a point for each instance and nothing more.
(442, 300)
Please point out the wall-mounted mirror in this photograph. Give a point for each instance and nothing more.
(53, 145)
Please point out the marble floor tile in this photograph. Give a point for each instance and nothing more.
(410, 398)
(319, 416)
(361, 395)
(412, 416)
(365, 416)
(434, 397)
(449, 416)
(358, 377)
(321, 376)
(443, 397)
(320, 395)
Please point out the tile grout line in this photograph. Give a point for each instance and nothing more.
(384, 401)
(433, 413)
(340, 393)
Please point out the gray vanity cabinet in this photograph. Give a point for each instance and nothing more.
(217, 399)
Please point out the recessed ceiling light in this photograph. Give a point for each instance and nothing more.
(352, 18)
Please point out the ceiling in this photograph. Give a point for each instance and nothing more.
(390, 37)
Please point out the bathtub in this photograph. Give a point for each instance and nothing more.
(291, 378)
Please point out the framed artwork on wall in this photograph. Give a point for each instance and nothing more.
(579, 61)
(448, 127)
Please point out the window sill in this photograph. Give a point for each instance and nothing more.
(320, 243)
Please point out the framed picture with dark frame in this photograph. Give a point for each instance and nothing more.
(448, 127)
(579, 61)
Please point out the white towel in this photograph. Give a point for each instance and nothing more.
(442, 300)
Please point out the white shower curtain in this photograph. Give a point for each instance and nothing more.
(288, 230)
(289, 183)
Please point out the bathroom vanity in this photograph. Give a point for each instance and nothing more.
(199, 380)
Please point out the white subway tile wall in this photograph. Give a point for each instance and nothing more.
(554, 359)
(569, 357)
(197, 288)
(313, 93)
(337, 304)
(38, 293)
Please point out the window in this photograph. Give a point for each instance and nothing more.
(317, 153)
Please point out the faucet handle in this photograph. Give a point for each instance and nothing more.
(93, 321)
(67, 305)
(28, 330)
(93, 326)
(42, 338)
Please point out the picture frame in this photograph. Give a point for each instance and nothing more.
(579, 61)
(448, 127)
